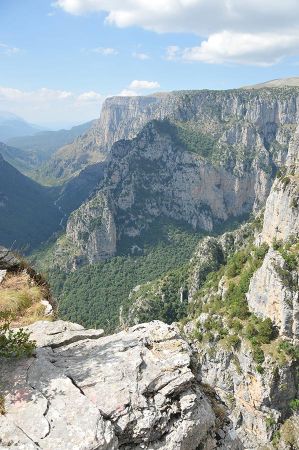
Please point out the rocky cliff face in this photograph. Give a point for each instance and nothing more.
(282, 211)
(213, 160)
(243, 293)
(273, 293)
(92, 231)
(131, 391)
(256, 376)
(242, 118)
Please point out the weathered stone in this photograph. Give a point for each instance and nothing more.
(270, 296)
(8, 260)
(59, 333)
(133, 390)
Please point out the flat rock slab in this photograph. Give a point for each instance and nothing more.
(132, 390)
(60, 333)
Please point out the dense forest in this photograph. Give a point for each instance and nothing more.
(93, 294)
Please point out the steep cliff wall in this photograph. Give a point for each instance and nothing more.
(261, 118)
(246, 326)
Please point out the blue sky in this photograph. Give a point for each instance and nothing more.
(59, 62)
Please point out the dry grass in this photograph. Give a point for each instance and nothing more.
(21, 297)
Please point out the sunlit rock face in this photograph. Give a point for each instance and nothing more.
(130, 391)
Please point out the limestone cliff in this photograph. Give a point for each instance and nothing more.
(243, 294)
(242, 118)
(282, 207)
(246, 326)
(131, 391)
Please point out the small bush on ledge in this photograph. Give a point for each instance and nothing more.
(14, 343)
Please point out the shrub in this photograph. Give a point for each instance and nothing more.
(294, 404)
(270, 422)
(289, 349)
(14, 343)
(285, 181)
(260, 252)
(260, 369)
(258, 355)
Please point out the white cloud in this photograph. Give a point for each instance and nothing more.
(8, 50)
(172, 52)
(143, 84)
(46, 105)
(262, 49)
(260, 31)
(140, 55)
(106, 51)
(127, 93)
(90, 96)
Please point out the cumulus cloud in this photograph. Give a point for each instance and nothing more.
(140, 55)
(253, 29)
(90, 96)
(127, 93)
(139, 85)
(258, 49)
(8, 50)
(106, 51)
(136, 87)
(44, 105)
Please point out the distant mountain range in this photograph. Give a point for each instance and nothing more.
(12, 126)
(28, 152)
(44, 143)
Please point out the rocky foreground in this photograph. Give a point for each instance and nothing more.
(133, 390)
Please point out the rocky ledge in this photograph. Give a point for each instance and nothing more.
(132, 390)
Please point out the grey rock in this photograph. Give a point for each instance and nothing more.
(8, 260)
(269, 296)
(281, 219)
(133, 390)
(59, 333)
(2, 275)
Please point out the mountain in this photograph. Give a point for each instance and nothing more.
(224, 377)
(70, 159)
(205, 308)
(73, 193)
(28, 215)
(278, 83)
(212, 162)
(43, 144)
(124, 117)
(16, 157)
(12, 126)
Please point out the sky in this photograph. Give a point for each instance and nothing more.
(60, 59)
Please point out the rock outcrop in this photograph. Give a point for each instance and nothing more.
(281, 220)
(92, 231)
(258, 402)
(130, 391)
(273, 293)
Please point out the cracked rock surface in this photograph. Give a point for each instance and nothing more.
(132, 390)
